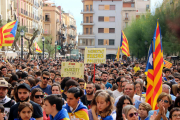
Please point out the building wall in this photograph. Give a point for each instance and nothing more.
(117, 24)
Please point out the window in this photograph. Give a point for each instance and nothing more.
(87, 31)
(87, 19)
(126, 15)
(111, 41)
(112, 19)
(100, 42)
(87, 7)
(132, 4)
(111, 30)
(47, 17)
(101, 19)
(147, 7)
(101, 7)
(90, 30)
(112, 7)
(91, 8)
(100, 30)
(86, 42)
(91, 19)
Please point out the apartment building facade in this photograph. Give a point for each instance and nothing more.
(52, 19)
(133, 9)
(101, 26)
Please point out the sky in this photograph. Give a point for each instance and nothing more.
(75, 6)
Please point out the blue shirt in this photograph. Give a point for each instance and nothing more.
(108, 85)
(136, 103)
(173, 97)
(46, 90)
(151, 112)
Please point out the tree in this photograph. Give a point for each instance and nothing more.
(48, 47)
(142, 30)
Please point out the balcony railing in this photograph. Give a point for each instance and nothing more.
(86, 21)
(84, 33)
(126, 18)
(47, 19)
(87, 10)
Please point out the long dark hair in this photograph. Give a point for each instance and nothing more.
(119, 106)
(33, 92)
(76, 91)
(177, 101)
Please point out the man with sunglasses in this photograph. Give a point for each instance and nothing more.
(23, 95)
(44, 84)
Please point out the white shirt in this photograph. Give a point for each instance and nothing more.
(116, 93)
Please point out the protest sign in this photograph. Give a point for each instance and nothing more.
(72, 69)
(95, 55)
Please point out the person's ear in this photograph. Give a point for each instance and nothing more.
(54, 105)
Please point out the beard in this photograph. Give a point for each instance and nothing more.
(24, 100)
(90, 93)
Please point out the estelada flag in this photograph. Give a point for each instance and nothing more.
(8, 33)
(167, 64)
(37, 48)
(117, 55)
(124, 44)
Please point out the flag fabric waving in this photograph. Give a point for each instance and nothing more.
(167, 64)
(37, 47)
(124, 44)
(155, 67)
(150, 76)
(8, 33)
(117, 55)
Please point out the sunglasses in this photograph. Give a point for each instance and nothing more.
(165, 101)
(121, 74)
(46, 78)
(37, 96)
(132, 114)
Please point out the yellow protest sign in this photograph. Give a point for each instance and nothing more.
(95, 55)
(72, 69)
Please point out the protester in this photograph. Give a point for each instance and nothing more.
(25, 111)
(75, 108)
(23, 95)
(53, 107)
(130, 113)
(143, 110)
(174, 114)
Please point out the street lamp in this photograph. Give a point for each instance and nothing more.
(22, 34)
(55, 49)
(43, 39)
(146, 43)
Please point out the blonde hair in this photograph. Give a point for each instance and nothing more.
(147, 106)
(110, 108)
(163, 94)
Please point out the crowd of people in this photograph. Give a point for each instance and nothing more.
(35, 90)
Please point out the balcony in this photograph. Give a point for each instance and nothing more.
(84, 11)
(87, 23)
(47, 32)
(47, 20)
(73, 27)
(82, 43)
(22, 10)
(86, 35)
(126, 18)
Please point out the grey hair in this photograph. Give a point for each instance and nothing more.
(127, 108)
(110, 93)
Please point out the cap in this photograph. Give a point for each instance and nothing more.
(3, 83)
(24, 85)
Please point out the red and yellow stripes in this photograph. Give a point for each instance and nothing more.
(158, 66)
(118, 53)
(6, 37)
(124, 44)
(167, 64)
(37, 47)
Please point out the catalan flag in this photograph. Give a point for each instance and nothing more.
(80, 112)
(167, 64)
(8, 33)
(124, 44)
(155, 67)
(37, 47)
(118, 53)
(61, 115)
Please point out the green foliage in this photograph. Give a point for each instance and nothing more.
(142, 30)
(48, 47)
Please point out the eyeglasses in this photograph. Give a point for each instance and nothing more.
(165, 101)
(46, 78)
(176, 115)
(126, 103)
(132, 114)
(37, 96)
(121, 74)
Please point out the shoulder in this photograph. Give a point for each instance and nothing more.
(151, 112)
(108, 118)
(37, 86)
(35, 105)
(48, 86)
(15, 106)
